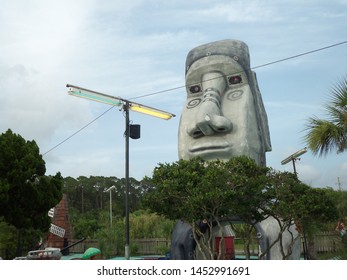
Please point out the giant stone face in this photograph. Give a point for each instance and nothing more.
(224, 114)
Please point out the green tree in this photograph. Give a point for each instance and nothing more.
(26, 194)
(209, 190)
(8, 244)
(86, 194)
(111, 240)
(144, 224)
(294, 202)
(340, 200)
(216, 191)
(326, 135)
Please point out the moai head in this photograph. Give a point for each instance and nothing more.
(224, 115)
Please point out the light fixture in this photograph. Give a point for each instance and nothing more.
(126, 106)
(94, 95)
(150, 111)
(117, 101)
(293, 158)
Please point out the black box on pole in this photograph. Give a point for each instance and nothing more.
(134, 131)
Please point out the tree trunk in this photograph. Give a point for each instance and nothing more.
(311, 249)
(246, 244)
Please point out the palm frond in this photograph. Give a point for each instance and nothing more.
(337, 107)
(325, 136)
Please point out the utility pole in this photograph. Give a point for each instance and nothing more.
(338, 183)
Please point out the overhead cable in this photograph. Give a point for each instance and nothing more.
(180, 87)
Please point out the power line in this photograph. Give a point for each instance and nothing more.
(252, 68)
(298, 55)
(180, 87)
(56, 146)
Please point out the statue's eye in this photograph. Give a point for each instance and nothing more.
(233, 80)
(195, 88)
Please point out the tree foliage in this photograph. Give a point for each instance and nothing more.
(89, 193)
(293, 200)
(340, 200)
(26, 194)
(326, 135)
(212, 191)
(145, 224)
(89, 212)
(217, 191)
(199, 189)
(295, 203)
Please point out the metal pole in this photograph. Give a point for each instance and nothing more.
(82, 201)
(110, 209)
(306, 257)
(127, 242)
(293, 160)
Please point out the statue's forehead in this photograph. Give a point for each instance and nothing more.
(215, 63)
(235, 49)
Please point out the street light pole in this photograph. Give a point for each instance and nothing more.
(127, 133)
(109, 190)
(126, 106)
(293, 158)
(110, 209)
(294, 167)
(82, 200)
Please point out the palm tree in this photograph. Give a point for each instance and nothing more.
(324, 136)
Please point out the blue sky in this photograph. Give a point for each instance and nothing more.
(136, 48)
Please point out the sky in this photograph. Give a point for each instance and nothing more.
(137, 50)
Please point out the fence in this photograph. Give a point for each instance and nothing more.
(325, 242)
(328, 242)
(152, 246)
(81, 247)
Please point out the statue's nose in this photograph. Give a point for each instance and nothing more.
(209, 119)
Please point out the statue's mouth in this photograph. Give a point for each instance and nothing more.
(201, 148)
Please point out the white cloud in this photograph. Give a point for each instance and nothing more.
(33, 107)
(308, 173)
(241, 12)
